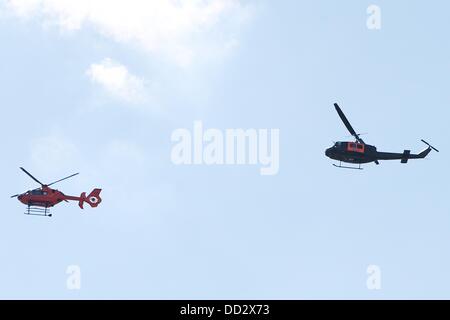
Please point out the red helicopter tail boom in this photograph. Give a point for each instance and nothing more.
(93, 199)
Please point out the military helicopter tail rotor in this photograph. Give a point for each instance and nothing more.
(429, 145)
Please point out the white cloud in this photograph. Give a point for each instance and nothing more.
(184, 31)
(117, 80)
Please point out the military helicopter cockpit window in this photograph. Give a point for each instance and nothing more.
(37, 192)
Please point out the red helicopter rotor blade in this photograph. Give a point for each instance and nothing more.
(31, 176)
(63, 179)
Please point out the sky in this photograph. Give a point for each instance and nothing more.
(98, 87)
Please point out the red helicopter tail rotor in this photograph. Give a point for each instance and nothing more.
(93, 199)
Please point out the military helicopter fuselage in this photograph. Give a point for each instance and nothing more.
(352, 152)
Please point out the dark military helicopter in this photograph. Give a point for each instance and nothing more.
(359, 152)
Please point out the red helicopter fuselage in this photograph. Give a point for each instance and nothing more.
(47, 197)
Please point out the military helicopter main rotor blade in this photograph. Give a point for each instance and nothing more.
(31, 176)
(15, 196)
(347, 124)
(63, 179)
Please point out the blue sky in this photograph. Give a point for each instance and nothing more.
(99, 90)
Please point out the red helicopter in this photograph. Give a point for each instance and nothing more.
(39, 200)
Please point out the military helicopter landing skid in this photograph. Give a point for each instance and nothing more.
(345, 167)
